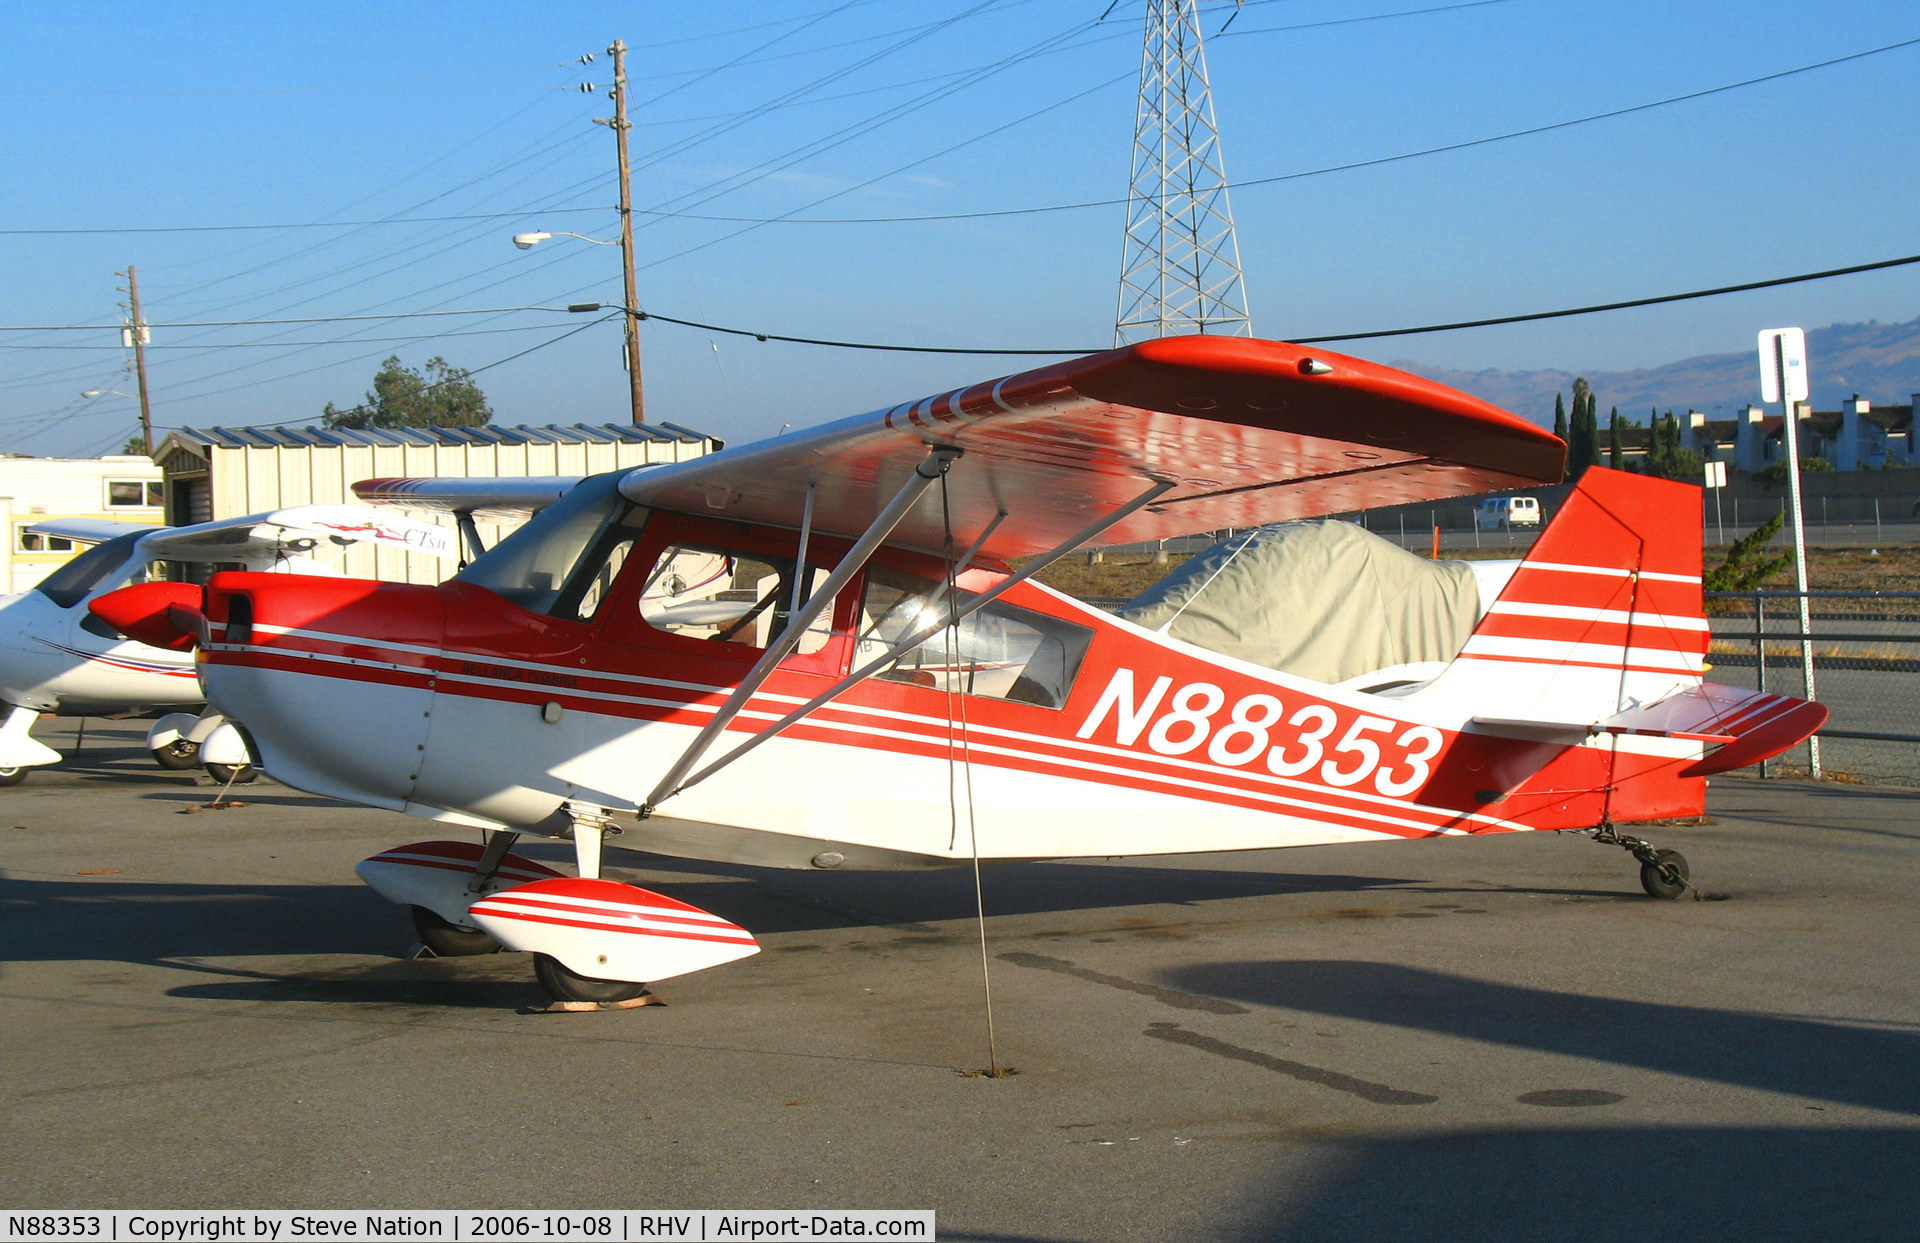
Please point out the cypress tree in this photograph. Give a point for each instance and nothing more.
(1559, 417)
(1614, 452)
(1583, 440)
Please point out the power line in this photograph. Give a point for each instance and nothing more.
(1314, 172)
(579, 308)
(307, 224)
(464, 374)
(251, 323)
(1346, 336)
(1617, 306)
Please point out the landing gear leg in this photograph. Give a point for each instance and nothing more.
(1663, 873)
(569, 989)
(449, 940)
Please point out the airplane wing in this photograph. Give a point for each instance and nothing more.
(89, 530)
(1251, 431)
(486, 498)
(297, 531)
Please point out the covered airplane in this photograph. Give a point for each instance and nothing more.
(56, 657)
(882, 683)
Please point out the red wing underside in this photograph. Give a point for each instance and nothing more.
(1249, 432)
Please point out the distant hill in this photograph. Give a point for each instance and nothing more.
(1881, 362)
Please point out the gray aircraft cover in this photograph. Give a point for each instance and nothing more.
(1323, 600)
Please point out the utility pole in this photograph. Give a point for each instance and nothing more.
(137, 336)
(620, 126)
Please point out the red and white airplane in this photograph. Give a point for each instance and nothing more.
(910, 698)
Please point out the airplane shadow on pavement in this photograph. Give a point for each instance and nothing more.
(1580, 1183)
(1870, 1067)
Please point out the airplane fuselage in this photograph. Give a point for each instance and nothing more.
(454, 704)
(51, 660)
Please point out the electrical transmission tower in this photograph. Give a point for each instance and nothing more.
(1180, 266)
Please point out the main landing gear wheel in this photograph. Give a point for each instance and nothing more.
(13, 776)
(229, 774)
(448, 940)
(1666, 876)
(563, 985)
(178, 755)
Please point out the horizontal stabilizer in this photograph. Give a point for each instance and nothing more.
(488, 498)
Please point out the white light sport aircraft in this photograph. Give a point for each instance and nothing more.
(56, 657)
(884, 688)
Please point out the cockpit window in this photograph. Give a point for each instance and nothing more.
(729, 595)
(999, 651)
(563, 560)
(69, 584)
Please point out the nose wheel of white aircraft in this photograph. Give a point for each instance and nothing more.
(1663, 873)
(450, 940)
(564, 985)
(13, 776)
(178, 755)
(232, 774)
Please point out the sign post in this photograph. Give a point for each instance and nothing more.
(1783, 378)
(1715, 478)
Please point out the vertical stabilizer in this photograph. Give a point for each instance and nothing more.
(1603, 616)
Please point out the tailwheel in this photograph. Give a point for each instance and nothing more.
(178, 755)
(1665, 876)
(564, 985)
(13, 776)
(1663, 873)
(450, 940)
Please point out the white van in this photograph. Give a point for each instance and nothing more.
(1497, 512)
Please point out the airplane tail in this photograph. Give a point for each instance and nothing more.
(1604, 614)
(1602, 629)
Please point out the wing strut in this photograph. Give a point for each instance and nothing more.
(668, 789)
(931, 467)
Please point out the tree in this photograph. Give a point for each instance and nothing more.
(1747, 566)
(1615, 454)
(402, 397)
(1583, 431)
(1559, 417)
(1775, 475)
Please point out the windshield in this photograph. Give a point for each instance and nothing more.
(69, 584)
(533, 565)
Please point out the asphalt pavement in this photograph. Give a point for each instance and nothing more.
(1480, 1038)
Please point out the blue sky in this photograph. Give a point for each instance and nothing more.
(154, 116)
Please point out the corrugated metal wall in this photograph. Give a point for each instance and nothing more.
(249, 481)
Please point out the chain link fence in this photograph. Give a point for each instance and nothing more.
(1866, 670)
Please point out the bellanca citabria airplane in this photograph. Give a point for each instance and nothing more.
(57, 657)
(1308, 686)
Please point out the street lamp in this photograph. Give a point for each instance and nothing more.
(527, 241)
(145, 432)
